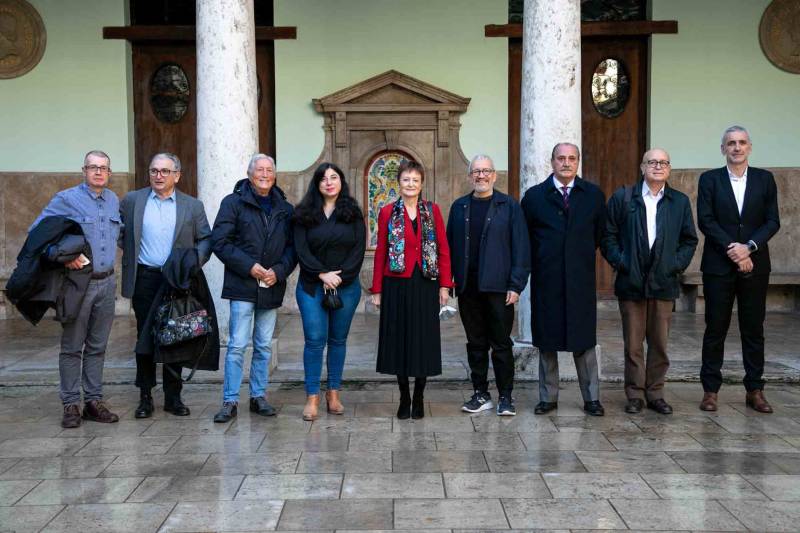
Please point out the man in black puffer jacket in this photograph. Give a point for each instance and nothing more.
(252, 236)
(650, 240)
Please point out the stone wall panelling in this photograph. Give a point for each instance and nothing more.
(784, 248)
(23, 195)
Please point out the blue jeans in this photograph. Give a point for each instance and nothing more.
(322, 327)
(241, 330)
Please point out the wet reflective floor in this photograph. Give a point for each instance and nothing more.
(733, 470)
(29, 355)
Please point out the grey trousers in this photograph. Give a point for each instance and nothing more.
(588, 376)
(83, 344)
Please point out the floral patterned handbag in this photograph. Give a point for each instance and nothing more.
(180, 319)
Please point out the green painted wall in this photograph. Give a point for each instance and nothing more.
(75, 99)
(713, 74)
(343, 42)
(710, 75)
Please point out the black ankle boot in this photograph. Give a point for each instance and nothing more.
(404, 409)
(418, 404)
(145, 408)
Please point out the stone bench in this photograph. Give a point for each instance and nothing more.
(783, 293)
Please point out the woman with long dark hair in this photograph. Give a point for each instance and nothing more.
(330, 240)
(411, 280)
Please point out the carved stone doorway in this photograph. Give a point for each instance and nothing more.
(386, 118)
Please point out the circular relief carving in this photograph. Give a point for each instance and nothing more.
(22, 38)
(779, 33)
(169, 93)
(611, 88)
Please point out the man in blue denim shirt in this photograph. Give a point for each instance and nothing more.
(83, 342)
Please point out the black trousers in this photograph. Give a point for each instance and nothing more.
(148, 282)
(751, 295)
(487, 322)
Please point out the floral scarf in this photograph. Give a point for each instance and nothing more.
(397, 262)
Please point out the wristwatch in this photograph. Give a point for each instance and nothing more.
(751, 246)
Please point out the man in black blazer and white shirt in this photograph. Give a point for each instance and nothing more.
(737, 211)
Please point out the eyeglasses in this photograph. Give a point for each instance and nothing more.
(166, 172)
(94, 168)
(482, 172)
(654, 163)
(410, 180)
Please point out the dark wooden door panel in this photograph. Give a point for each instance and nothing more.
(613, 147)
(153, 135)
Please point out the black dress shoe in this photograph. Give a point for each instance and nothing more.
(634, 405)
(145, 408)
(176, 407)
(660, 406)
(545, 407)
(594, 408)
(262, 407)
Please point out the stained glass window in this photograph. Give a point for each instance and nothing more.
(592, 10)
(381, 188)
(611, 88)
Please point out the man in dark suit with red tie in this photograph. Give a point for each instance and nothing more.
(737, 211)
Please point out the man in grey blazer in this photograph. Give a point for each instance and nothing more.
(157, 219)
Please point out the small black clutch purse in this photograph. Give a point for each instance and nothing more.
(331, 300)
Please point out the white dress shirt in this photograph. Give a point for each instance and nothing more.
(739, 185)
(651, 207)
(560, 186)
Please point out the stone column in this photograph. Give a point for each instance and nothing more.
(551, 98)
(227, 114)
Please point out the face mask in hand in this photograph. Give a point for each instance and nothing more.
(446, 312)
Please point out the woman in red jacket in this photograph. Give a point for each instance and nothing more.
(411, 279)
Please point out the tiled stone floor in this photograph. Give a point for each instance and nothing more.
(735, 470)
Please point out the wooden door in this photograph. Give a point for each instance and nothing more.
(613, 145)
(165, 110)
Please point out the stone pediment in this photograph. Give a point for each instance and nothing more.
(391, 91)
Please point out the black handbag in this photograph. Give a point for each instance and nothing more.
(331, 300)
(179, 320)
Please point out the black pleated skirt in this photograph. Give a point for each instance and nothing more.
(409, 343)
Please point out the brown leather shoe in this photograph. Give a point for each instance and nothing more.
(97, 411)
(755, 400)
(709, 402)
(72, 416)
(311, 408)
(335, 406)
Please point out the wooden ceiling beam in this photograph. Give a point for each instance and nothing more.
(187, 33)
(595, 29)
